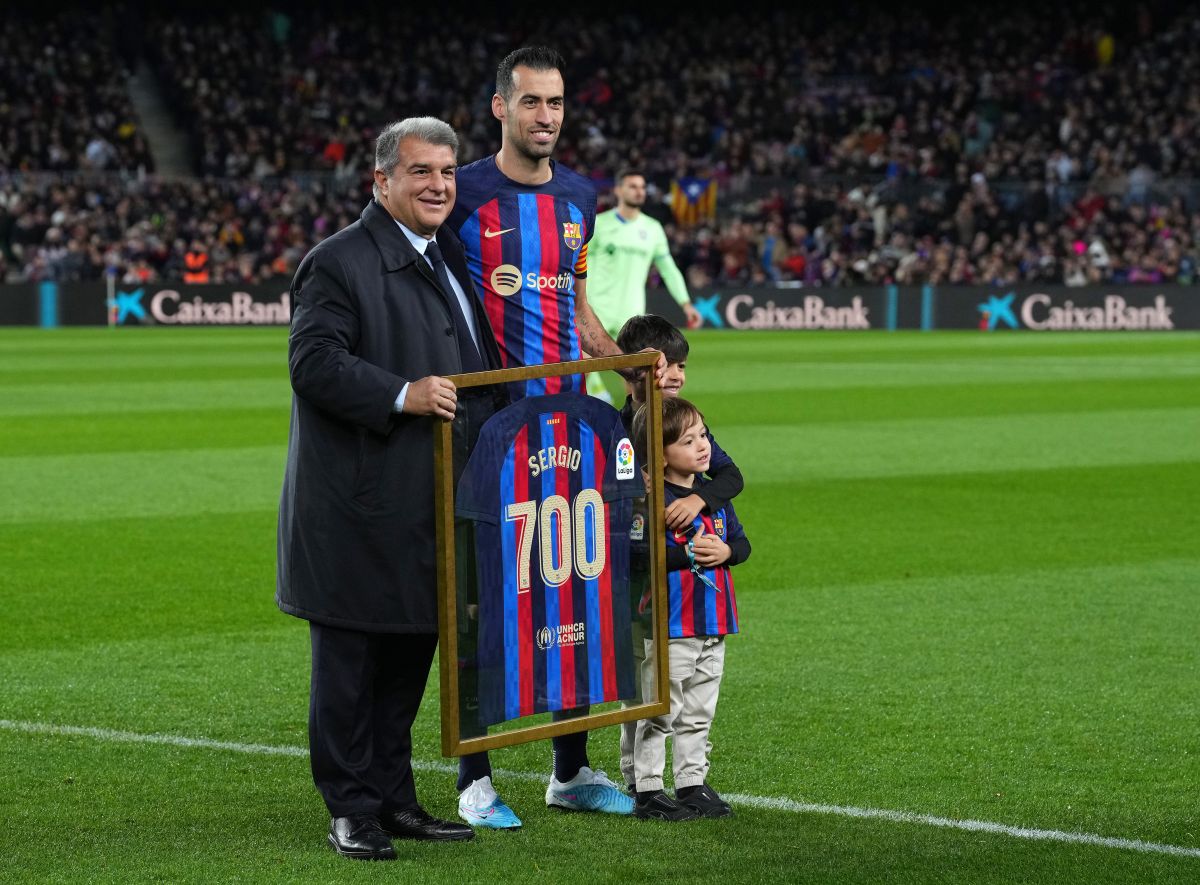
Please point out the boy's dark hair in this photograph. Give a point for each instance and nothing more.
(678, 414)
(651, 330)
(536, 58)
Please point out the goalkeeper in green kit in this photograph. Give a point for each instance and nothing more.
(626, 241)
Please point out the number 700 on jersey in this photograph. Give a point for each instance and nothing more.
(570, 537)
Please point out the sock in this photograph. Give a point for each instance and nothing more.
(644, 796)
(472, 768)
(685, 792)
(570, 755)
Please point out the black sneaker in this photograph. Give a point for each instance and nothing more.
(659, 806)
(705, 801)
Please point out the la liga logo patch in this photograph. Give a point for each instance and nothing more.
(625, 459)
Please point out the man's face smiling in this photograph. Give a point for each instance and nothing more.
(419, 192)
(533, 116)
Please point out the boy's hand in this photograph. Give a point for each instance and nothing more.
(636, 375)
(710, 550)
(682, 511)
(660, 368)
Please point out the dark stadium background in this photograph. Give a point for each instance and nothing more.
(861, 145)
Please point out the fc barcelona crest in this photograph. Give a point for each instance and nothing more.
(719, 525)
(572, 234)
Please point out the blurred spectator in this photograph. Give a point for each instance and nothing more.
(64, 101)
(952, 146)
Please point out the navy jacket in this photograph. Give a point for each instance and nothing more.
(356, 538)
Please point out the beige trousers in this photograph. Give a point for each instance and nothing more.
(695, 678)
(629, 729)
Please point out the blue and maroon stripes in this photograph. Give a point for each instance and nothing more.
(589, 659)
(694, 608)
(525, 233)
(517, 624)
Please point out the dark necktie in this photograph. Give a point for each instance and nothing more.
(467, 351)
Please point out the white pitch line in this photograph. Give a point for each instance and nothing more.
(765, 802)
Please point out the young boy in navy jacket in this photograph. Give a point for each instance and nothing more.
(702, 611)
(724, 479)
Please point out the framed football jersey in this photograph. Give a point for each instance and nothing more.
(542, 566)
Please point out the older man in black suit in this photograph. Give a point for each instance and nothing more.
(384, 309)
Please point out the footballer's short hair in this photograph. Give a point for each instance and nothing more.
(626, 172)
(678, 414)
(536, 58)
(651, 330)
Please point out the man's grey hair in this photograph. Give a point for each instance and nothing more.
(430, 130)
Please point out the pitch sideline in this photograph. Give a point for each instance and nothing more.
(764, 802)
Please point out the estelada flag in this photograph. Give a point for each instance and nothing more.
(694, 200)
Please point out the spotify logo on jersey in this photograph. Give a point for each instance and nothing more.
(506, 280)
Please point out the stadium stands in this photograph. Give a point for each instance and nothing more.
(1058, 146)
(64, 102)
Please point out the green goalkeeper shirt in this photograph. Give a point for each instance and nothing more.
(619, 257)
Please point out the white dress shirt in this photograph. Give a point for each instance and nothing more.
(420, 243)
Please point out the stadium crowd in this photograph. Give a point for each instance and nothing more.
(1053, 146)
(64, 99)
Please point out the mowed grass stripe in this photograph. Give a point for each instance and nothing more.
(202, 372)
(769, 803)
(960, 445)
(844, 531)
(117, 484)
(741, 348)
(83, 363)
(789, 374)
(137, 397)
(1049, 635)
(70, 488)
(1032, 697)
(1000, 701)
(131, 339)
(237, 818)
(83, 583)
(1005, 645)
(868, 404)
(161, 430)
(111, 578)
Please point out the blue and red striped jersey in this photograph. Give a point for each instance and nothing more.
(694, 608)
(550, 487)
(525, 247)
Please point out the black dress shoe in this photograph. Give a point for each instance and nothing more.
(417, 823)
(361, 837)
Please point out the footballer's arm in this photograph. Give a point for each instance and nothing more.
(594, 339)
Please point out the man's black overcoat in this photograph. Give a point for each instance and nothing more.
(356, 526)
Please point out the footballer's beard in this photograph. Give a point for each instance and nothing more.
(531, 149)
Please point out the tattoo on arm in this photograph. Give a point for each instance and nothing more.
(592, 335)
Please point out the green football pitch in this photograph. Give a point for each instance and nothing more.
(969, 649)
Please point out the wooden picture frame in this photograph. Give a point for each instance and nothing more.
(453, 744)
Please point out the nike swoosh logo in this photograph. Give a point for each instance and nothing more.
(495, 233)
